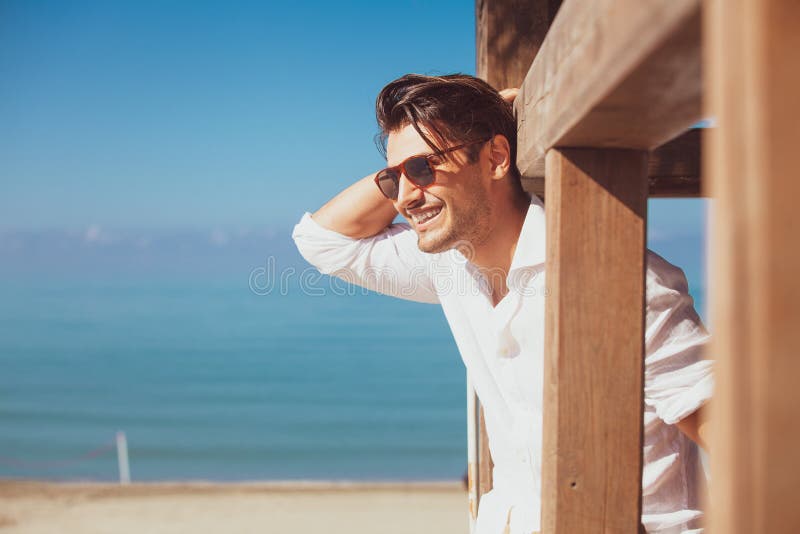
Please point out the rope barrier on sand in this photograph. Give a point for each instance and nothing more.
(120, 443)
(58, 464)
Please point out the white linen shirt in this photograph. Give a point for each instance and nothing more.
(503, 348)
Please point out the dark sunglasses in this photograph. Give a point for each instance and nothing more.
(418, 169)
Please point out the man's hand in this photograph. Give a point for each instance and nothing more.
(509, 94)
(695, 426)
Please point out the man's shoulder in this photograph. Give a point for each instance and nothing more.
(663, 274)
(666, 288)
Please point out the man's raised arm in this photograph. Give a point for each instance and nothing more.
(352, 237)
(359, 211)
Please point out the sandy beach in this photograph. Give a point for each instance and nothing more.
(166, 508)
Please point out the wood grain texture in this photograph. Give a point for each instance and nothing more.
(508, 36)
(473, 444)
(486, 464)
(611, 73)
(594, 340)
(673, 170)
(754, 178)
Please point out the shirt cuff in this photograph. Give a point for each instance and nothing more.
(675, 404)
(308, 227)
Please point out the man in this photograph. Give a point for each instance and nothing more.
(475, 245)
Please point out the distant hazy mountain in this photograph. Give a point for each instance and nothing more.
(97, 251)
(102, 253)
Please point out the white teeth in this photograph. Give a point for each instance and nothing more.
(422, 217)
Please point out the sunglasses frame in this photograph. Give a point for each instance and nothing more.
(401, 167)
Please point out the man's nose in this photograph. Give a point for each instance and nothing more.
(408, 194)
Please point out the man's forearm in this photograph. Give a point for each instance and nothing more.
(695, 426)
(359, 211)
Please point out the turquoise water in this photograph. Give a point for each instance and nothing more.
(210, 380)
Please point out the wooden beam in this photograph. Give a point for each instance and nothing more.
(611, 73)
(673, 169)
(508, 36)
(754, 178)
(594, 360)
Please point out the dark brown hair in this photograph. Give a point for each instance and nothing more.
(456, 108)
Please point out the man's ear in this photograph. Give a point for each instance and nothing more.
(499, 157)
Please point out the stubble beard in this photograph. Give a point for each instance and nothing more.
(466, 228)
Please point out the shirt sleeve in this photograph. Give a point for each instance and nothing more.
(678, 380)
(389, 262)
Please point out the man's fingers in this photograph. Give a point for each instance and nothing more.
(509, 94)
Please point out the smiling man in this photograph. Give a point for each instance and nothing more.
(475, 245)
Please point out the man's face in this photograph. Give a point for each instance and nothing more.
(455, 211)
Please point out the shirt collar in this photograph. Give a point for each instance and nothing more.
(530, 251)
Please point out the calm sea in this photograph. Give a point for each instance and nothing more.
(210, 380)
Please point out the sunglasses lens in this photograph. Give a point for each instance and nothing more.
(419, 171)
(387, 182)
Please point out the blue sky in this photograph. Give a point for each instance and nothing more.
(158, 115)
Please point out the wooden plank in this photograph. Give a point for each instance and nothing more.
(508, 36)
(594, 341)
(611, 73)
(673, 169)
(480, 464)
(473, 445)
(754, 83)
(486, 464)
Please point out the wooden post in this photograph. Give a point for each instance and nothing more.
(508, 36)
(754, 82)
(594, 340)
(473, 446)
(486, 464)
(122, 459)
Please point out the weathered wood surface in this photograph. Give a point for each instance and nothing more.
(508, 36)
(673, 169)
(611, 73)
(473, 445)
(753, 175)
(486, 464)
(594, 340)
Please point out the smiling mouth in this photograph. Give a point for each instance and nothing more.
(423, 218)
